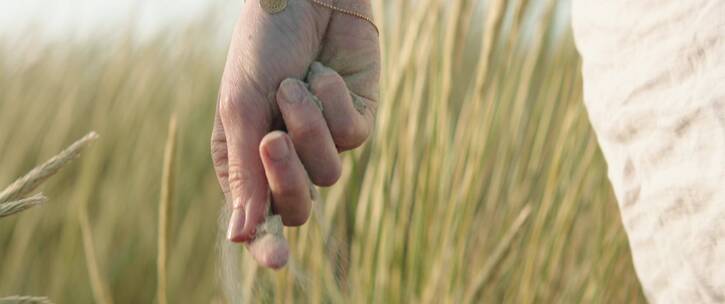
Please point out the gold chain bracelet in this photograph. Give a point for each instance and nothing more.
(276, 6)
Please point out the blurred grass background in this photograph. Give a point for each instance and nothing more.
(482, 183)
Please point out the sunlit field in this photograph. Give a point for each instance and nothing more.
(483, 182)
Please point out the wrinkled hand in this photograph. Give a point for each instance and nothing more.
(259, 94)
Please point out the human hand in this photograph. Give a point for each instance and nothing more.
(267, 49)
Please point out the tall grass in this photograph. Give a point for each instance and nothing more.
(167, 191)
(483, 181)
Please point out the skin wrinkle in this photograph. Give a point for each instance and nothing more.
(219, 154)
(240, 176)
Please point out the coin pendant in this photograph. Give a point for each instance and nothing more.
(273, 6)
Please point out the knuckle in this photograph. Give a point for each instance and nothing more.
(232, 110)
(218, 149)
(228, 104)
(219, 156)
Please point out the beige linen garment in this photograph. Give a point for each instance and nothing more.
(654, 87)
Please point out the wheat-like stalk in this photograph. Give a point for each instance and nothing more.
(12, 199)
(14, 207)
(38, 175)
(25, 300)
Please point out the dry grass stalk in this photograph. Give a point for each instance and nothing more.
(38, 175)
(14, 207)
(497, 255)
(167, 191)
(25, 300)
(99, 287)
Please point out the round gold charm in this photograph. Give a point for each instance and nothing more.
(273, 6)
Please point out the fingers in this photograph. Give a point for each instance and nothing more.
(287, 179)
(309, 132)
(347, 115)
(244, 126)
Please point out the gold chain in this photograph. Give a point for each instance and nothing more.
(347, 12)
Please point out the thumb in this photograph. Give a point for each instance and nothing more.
(245, 123)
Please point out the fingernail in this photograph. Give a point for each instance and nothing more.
(293, 91)
(236, 223)
(278, 149)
